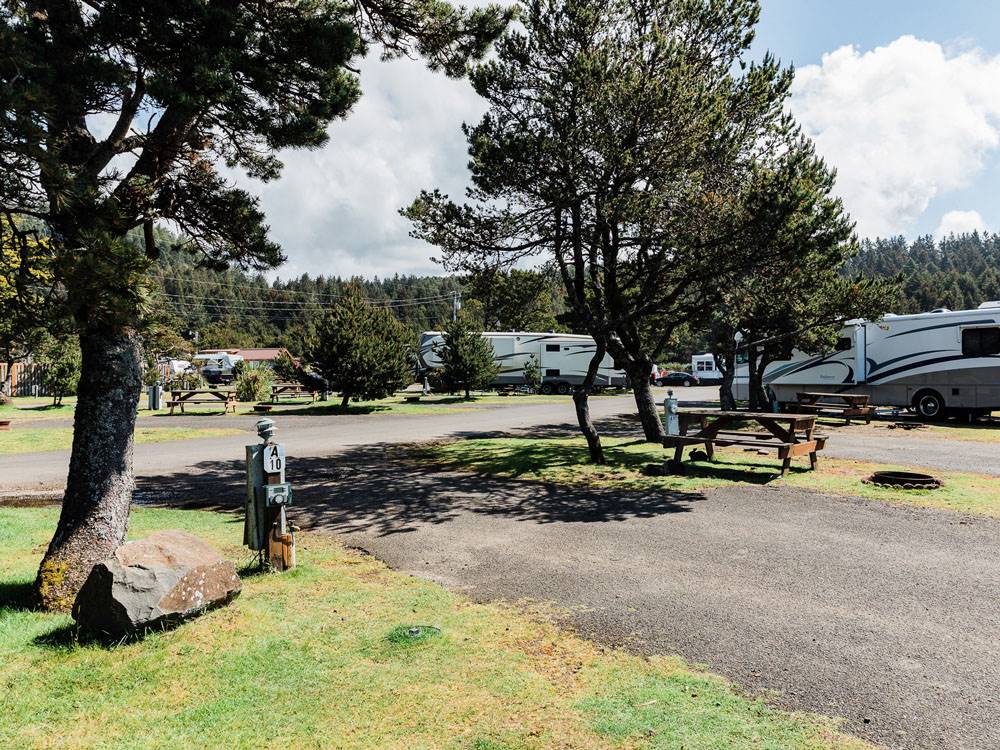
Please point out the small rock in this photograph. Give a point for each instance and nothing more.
(157, 581)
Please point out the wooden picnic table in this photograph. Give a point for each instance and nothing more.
(291, 390)
(790, 435)
(182, 398)
(844, 405)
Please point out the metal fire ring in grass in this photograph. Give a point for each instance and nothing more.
(903, 480)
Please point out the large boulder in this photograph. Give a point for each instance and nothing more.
(152, 583)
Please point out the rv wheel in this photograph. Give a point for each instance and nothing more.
(929, 405)
(546, 389)
(563, 389)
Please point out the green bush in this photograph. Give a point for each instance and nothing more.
(190, 380)
(285, 369)
(60, 359)
(532, 373)
(254, 382)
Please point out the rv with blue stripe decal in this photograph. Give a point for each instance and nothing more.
(562, 358)
(936, 363)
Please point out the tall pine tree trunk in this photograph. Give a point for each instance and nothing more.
(726, 362)
(649, 416)
(581, 399)
(755, 369)
(95, 508)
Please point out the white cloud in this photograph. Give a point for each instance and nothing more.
(902, 124)
(957, 222)
(335, 210)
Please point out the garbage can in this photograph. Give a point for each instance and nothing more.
(153, 394)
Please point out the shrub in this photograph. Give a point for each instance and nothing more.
(254, 382)
(285, 369)
(60, 359)
(532, 373)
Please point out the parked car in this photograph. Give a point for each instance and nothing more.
(677, 378)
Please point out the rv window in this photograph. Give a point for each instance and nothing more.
(742, 358)
(980, 342)
(702, 366)
(552, 373)
(552, 347)
(844, 344)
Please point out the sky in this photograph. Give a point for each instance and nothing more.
(901, 97)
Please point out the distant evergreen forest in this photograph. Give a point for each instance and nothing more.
(960, 272)
(237, 309)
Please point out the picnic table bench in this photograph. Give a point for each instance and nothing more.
(843, 405)
(291, 390)
(790, 435)
(182, 398)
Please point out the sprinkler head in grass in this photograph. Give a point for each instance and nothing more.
(412, 634)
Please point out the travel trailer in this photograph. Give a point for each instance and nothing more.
(703, 365)
(937, 362)
(562, 359)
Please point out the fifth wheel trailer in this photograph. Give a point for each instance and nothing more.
(933, 362)
(562, 359)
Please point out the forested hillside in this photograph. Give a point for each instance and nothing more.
(233, 308)
(959, 272)
(236, 309)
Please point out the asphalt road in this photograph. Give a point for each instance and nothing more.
(885, 616)
(314, 436)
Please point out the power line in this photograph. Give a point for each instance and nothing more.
(297, 305)
(299, 292)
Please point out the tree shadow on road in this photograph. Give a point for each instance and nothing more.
(382, 489)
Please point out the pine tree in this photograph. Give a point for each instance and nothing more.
(362, 350)
(60, 362)
(187, 87)
(467, 358)
(618, 139)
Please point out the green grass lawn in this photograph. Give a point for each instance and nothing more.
(34, 439)
(24, 409)
(318, 657)
(566, 460)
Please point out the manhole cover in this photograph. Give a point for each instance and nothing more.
(906, 480)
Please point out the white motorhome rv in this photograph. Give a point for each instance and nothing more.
(933, 362)
(703, 365)
(562, 358)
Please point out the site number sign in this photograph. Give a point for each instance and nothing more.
(274, 459)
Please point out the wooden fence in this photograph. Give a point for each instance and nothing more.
(26, 380)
